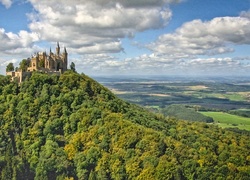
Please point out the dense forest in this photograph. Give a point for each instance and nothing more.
(181, 112)
(70, 127)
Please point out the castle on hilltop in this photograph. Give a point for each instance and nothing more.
(52, 63)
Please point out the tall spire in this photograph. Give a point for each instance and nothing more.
(50, 52)
(58, 49)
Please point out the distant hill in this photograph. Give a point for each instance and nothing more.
(181, 112)
(70, 127)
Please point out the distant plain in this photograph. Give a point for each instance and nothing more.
(216, 97)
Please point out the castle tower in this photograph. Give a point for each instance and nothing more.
(44, 55)
(52, 63)
(58, 49)
(65, 51)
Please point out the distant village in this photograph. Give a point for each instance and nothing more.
(51, 63)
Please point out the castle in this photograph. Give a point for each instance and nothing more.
(52, 63)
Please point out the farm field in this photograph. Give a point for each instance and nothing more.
(216, 95)
(226, 120)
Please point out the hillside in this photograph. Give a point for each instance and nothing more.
(181, 112)
(71, 127)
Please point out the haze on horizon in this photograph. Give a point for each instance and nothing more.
(133, 37)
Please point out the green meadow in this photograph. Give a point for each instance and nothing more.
(226, 120)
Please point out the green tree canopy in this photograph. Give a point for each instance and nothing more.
(181, 112)
(73, 67)
(71, 127)
(10, 67)
(23, 65)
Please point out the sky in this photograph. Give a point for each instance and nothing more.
(131, 37)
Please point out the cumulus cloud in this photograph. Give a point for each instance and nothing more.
(158, 64)
(204, 38)
(6, 3)
(245, 14)
(20, 43)
(93, 29)
(4, 62)
(94, 25)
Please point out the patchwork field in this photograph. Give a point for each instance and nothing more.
(226, 120)
(216, 95)
(232, 96)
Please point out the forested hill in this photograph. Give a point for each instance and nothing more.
(71, 127)
(181, 112)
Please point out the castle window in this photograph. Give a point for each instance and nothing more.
(33, 64)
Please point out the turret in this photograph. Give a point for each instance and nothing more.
(58, 49)
(44, 54)
(50, 52)
(65, 51)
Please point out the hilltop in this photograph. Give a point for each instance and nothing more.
(71, 127)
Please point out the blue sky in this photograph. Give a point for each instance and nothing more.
(133, 37)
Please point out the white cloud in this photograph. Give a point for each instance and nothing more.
(6, 3)
(157, 64)
(97, 64)
(245, 14)
(94, 29)
(5, 63)
(89, 26)
(204, 38)
(20, 43)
